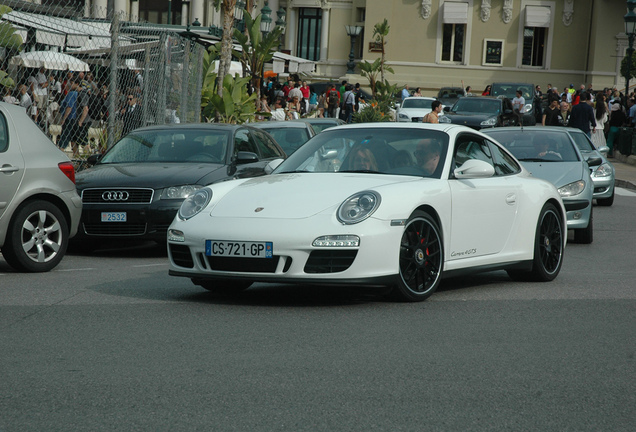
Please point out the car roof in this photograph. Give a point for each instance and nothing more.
(190, 126)
(280, 124)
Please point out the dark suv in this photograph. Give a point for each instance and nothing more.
(509, 90)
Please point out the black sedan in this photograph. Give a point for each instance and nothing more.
(137, 186)
(476, 112)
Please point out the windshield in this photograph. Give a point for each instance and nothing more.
(290, 139)
(417, 103)
(537, 145)
(477, 106)
(372, 150)
(196, 145)
(583, 142)
(510, 91)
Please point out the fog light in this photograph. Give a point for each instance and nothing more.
(576, 215)
(337, 241)
(176, 235)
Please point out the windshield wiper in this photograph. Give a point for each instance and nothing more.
(361, 171)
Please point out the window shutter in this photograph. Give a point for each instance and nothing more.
(537, 16)
(455, 13)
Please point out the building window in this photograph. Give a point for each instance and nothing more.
(534, 46)
(156, 11)
(309, 27)
(453, 42)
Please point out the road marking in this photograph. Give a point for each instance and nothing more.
(150, 265)
(77, 269)
(624, 192)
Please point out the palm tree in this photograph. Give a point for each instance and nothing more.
(380, 32)
(225, 57)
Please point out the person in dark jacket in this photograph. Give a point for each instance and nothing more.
(616, 121)
(583, 115)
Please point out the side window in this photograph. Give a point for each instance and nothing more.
(504, 163)
(242, 142)
(266, 146)
(471, 147)
(4, 134)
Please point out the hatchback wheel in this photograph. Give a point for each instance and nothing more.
(421, 259)
(37, 238)
(606, 202)
(585, 235)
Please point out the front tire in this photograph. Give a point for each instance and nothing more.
(606, 202)
(421, 259)
(37, 238)
(548, 245)
(585, 235)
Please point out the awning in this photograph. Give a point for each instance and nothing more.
(63, 32)
(537, 16)
(455, 12)
(51, 60)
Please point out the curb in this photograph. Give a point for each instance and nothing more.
(629, 160)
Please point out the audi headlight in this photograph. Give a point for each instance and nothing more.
(444, 119)
(490, 122)
(358, 207)
(572, 189)
(179, 192)
(604, 170)
(195, 203)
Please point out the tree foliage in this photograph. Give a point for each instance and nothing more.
(235, 105)
(632, 67)
(380, 32)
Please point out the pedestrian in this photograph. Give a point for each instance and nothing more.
(564, 113)
(131, 115)
(349, 103)
(433, 116)
(333, 99)
(417, 92)
(69, 119)
(278, 114)
(405, 92)
(519, 102)
(83, 117)
(616, 121)
(487, 90)
(509, 117)
(582, 116)
(602, 117)
(551, 115)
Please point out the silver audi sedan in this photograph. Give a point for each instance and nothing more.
(39, 205)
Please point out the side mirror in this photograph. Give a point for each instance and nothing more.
(244, 157)
(594, 161)
(272, 165)
(93, 159)
(447, 109)
(474, 168)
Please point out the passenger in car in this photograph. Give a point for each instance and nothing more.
(428, 154)
(363, 159)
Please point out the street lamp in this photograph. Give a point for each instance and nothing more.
(266, 18)
(238, 10)
(354, 32)
(630, 31)
(281, 24)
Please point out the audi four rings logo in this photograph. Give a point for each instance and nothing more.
(115, 196)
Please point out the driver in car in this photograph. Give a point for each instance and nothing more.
(544, 148)
(428, 153)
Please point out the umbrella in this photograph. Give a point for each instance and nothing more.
(49, 59)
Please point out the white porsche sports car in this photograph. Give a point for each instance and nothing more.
(382, 204)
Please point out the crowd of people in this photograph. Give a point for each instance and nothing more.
(294, 98)
(73, 102)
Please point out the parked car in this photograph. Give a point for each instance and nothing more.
(603, 175)
(39, 206)
(509, 90)
(550, 153)
(412, 109)
(383, 204)
(449, 95)
(477, 112)
(319, 124)
(290, 135)
(137, 186)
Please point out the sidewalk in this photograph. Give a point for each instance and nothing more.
(625, 167)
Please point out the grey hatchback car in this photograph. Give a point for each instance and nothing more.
(39, 205)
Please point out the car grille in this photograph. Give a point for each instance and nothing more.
(330, 261)
(181, 256)
(118, 229)
(135, 196)
(245, 265)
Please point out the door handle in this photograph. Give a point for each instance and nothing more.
(511, 199)
(8, 168)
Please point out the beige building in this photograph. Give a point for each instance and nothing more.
(435, 43)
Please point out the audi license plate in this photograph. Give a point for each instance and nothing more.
(239, 249)
(113, 216)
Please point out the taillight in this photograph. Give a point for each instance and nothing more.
(68, 169)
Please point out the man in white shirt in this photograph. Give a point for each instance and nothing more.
(278, 114)
(518, 102)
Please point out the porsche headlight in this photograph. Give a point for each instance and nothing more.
(572, 189)
(194, 203)
(179, 192)
(604, 170)
(490, 122)
(358, 207)
(403, 116)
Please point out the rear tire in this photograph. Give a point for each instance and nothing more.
(421, 259)
(37, 238)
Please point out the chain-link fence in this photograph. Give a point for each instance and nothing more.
(86, 82)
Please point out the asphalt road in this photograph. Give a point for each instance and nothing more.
(110, 342)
